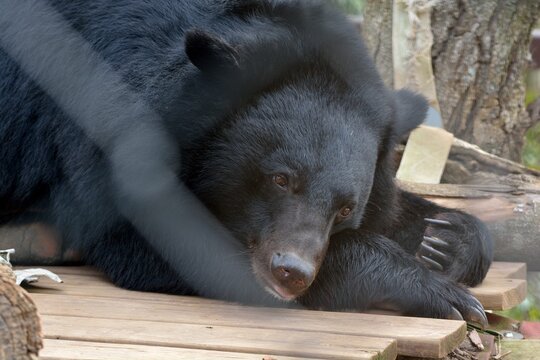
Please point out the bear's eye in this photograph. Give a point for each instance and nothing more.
(345, 212)
(281, 180)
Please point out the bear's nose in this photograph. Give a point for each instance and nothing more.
(291, 272)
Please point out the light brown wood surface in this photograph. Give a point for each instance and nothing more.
(500, 294)
(87, 295)
(508, 270)
(493, 294)
(416, 336)
(218, 338)
(505, 286)
(88, 308)
(68, 350)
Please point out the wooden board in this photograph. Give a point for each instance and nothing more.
(500, 293)
(88, 301)
(508, 270)
(76, 350)
(218, 338)
(505, 286)
(493, 294)
(416, 336)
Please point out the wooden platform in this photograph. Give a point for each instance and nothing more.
(86, 317)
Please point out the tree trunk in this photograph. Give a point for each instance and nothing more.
(377, 32)
(479, 55)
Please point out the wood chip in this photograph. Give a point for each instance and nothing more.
(475, 339)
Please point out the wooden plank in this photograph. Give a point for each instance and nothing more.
(99, 286)
(219, 338)
(494, 295)
(512, 270)
(84, 350)
(508, 270)
(416, 336)
(500, 293)
(69, 270)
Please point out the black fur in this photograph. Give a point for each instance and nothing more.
(247, 89)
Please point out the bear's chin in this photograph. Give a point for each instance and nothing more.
(280, 293)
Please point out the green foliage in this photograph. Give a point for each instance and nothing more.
(531, 149)
(354, 7)
(530, 96)
(527, 310)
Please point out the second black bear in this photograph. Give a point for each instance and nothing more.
(297, 164)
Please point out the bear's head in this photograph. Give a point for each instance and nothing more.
(295, 163)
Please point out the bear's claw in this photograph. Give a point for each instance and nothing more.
(432, 253)
(455, 315)
(433, 241)
(437, 222)
(476, 313)
(431, 263)
(464, 306)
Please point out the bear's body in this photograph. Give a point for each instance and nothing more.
(297, 164)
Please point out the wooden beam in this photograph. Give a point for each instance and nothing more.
(494, 295)
(500, 294)
(507, 270)
(217, 338)
(85, 350)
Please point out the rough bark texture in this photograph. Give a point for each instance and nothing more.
(20, 326)
(377, 32)
(479, 55)
(479, 58)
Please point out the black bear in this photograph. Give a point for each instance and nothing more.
(284, 130)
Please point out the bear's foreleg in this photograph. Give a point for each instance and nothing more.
(363, 271)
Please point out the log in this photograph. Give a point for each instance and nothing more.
(469, 164)
(20, 326)
(84, 350)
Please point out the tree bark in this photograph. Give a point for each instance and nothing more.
(479, 54)
(377, 32)
(20, 326)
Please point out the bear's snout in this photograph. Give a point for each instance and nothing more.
(291, 274)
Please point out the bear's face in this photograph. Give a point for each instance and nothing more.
(296, 163)
(287, 172)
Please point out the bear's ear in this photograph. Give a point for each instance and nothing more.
(209, 52)
(411, 111)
